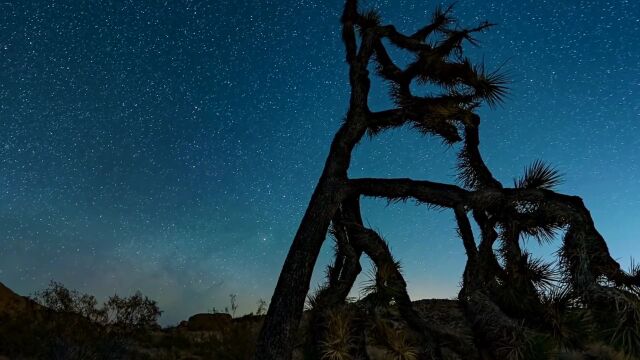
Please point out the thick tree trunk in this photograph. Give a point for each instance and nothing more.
(341, 275)
(285, 310)
(287, 303)
(494, 330)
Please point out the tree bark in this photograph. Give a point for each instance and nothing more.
(285, 311)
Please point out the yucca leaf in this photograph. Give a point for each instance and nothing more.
(543, 233)
(543, 274)
(371, 18)
(539, 175)
(490, 86)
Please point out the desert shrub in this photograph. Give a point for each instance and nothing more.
(125, 313)
(238, 344)
(72, 325)
(339, 341)
(134, 312)
(60, 299)
(51, 335)
(394, 340)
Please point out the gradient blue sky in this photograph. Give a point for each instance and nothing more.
(172, 146)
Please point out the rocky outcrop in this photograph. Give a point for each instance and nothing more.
(209, 322)
(13, 304)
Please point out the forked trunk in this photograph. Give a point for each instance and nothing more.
(285, 311)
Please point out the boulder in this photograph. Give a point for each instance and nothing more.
(209, 322)
(183, 325)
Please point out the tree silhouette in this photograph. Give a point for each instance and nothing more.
(499, 296)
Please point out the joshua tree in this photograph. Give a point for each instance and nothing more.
(503, 214)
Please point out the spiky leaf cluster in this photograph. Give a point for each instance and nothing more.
(539, 175)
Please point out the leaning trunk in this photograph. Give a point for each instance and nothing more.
(285, 311)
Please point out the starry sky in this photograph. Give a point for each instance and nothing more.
(172, 146)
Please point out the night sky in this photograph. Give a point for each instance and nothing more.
(172, 146)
